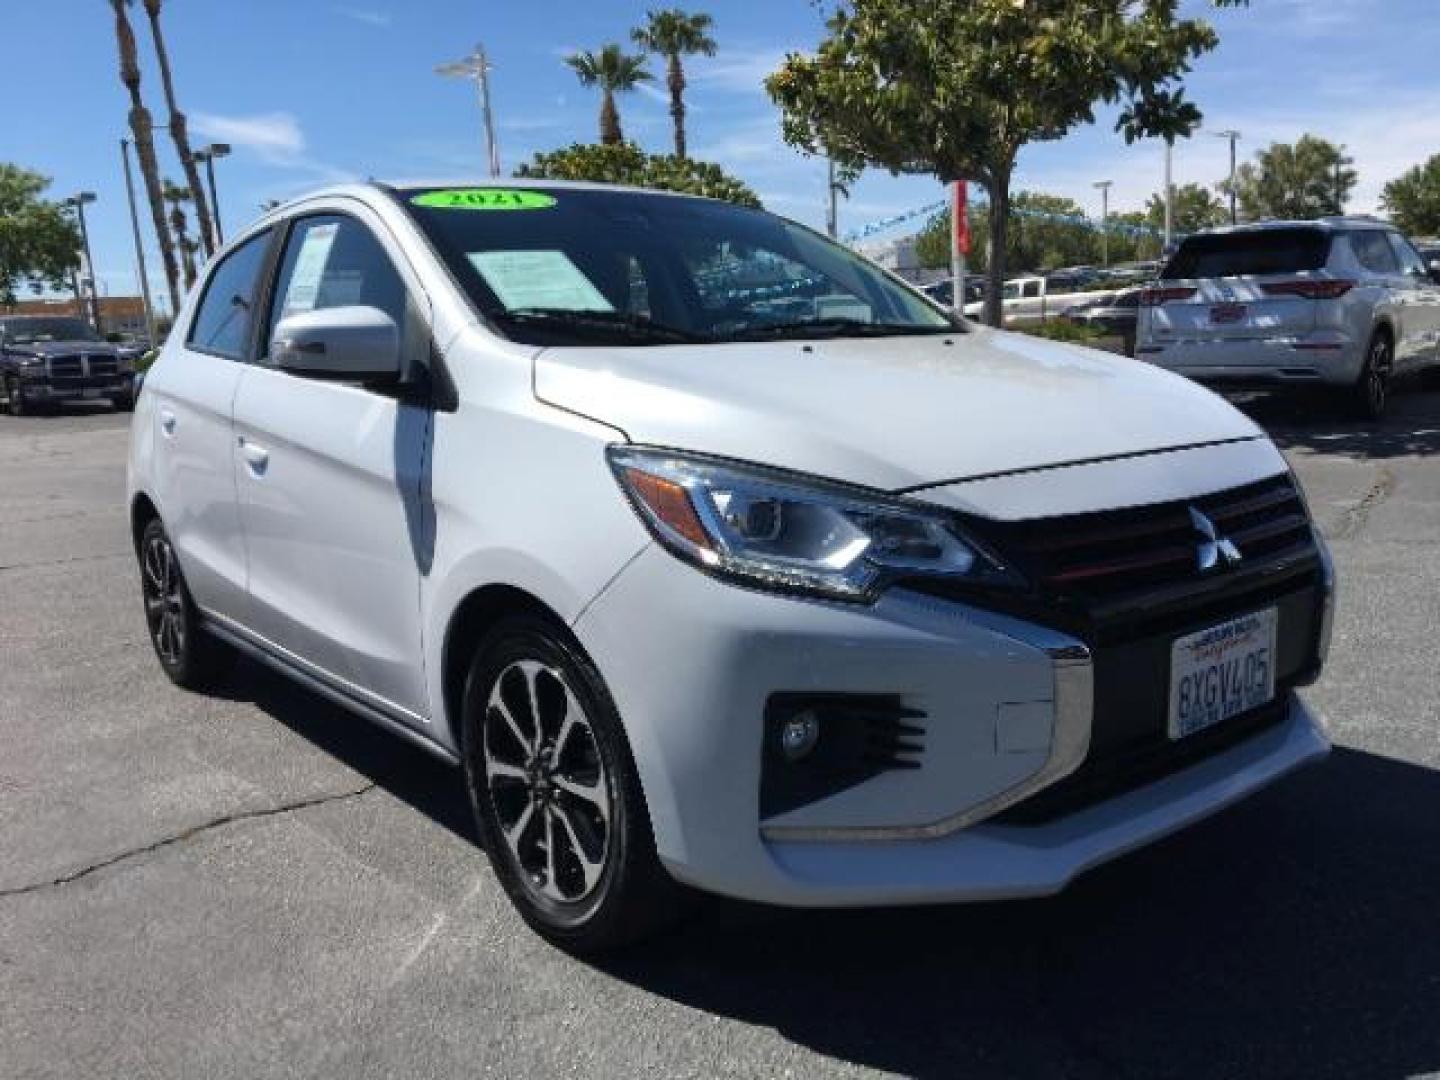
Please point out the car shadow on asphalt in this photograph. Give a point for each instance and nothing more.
(426, 783)
(1292, 936)
(1411, 429)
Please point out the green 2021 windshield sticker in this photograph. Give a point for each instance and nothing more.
(484, 199)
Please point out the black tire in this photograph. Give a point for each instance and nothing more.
(124, 402)
(188, 654)
(14, 400)
(582, 872)
(1371, 392)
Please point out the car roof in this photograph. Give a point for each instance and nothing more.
(1325, 224)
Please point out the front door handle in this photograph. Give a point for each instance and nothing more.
(167, 421)
(257, 457)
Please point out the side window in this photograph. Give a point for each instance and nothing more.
(1374, 251)
(227, 309)
(1410, 260)
(334, 261)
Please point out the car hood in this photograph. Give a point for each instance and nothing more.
(890, 413)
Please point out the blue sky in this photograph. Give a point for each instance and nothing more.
(310, 91)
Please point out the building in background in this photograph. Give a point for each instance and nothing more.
(124, 315)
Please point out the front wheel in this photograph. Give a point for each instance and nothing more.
(555, 792)
(14, 400)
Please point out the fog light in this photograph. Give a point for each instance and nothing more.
(799, 734)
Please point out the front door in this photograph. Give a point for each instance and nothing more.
(330, 484)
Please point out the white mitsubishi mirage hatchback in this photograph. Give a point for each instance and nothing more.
(715, 556)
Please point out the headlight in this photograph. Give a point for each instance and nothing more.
(775, 530)
(30, 363)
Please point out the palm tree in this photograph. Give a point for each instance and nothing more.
(143, 128)
(672, 33)
(177, 196)
(615, 72)
(177, 129)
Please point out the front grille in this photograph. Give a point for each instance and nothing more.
(104, 365)
(1128, 583)
(67, 367)
(1097, 559)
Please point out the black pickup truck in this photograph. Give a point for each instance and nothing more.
(46, 360)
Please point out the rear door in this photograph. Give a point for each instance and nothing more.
(1247, 285)
(1422, 296)
(330, 477)
(194, 390)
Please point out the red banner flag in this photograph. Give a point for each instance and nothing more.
(960, 216)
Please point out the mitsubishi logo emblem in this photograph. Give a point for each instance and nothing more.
(1213, 548)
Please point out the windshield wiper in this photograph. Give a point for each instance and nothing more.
(634, 327)
(834, 327)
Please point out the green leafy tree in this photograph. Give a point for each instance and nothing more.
(957, 88)
(1196, 207)
(1413, 199)
(1046, 231)
(627, 164)
(1308, 179)
(673, 34)
(614, 71)
(38, 240)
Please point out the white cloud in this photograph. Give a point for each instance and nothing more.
(364, 15)
(740, 70)
(273, 136)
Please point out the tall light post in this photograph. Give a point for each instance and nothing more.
(1104, 187)
(139, 247)
(208, 156)
(1169, 196)
(476, 68)
(1234, 137)
(79, 202)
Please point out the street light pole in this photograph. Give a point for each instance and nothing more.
(1234, 137)
(476, 67)
(1104, 186)
(208, 156)
(1169, 197)
(139, 247)
(78, 201)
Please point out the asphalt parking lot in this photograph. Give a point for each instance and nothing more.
(256, 884)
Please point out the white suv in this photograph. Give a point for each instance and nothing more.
(592, 492)
(1342, 303)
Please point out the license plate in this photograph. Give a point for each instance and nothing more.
(1227, 314)
(1222, 672)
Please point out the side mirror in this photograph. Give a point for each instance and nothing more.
(352, 344)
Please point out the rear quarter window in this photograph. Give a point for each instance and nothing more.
(1271, 251)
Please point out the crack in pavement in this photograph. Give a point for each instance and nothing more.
(64, 562)
(181, 837)
(1354, 520)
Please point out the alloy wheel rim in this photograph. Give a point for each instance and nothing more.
(164, 600)
(547, 781)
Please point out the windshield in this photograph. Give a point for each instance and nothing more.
(1264, 251)
(33, 331)
(560, 266)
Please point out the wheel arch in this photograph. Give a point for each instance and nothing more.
(142, 512)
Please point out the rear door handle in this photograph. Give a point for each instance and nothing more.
(167, 421)
(257, 457)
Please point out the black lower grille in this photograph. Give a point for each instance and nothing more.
(67, 367)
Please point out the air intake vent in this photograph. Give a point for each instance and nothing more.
(855, 737)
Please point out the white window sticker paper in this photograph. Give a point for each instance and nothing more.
(304, 288)
(538, 279)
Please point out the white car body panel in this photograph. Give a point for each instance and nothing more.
(374, 524)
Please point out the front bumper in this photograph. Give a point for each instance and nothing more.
(1322, 358)
(43, 388)
(692, 662)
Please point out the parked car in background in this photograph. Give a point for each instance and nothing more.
(1113, 315)
(1342, 303)
(823, 610)
(943, 292)
(47, 360)
(1430, 252)
(1031, 298)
